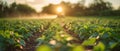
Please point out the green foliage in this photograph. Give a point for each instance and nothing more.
(44, 48)
(78, 48)
(99, 47)
(90, 41)
(91, 32)
(55, 37)
(9, 38)
(102, 34)
(13, 33)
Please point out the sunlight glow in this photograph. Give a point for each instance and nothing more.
(59, 9)
(54, 1)
(42, 3)
(30, 0)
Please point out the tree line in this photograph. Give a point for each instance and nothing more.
(97, 8)
(15, 9)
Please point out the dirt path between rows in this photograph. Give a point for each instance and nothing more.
(76, 36)
(31, 43)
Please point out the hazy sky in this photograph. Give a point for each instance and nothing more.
(38, 4)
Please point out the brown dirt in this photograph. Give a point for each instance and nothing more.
(31, 43)
(77, 40)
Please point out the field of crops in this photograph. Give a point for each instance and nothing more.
(60, 34)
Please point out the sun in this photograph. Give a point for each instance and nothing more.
(59, 9)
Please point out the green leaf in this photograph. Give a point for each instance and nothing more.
(11, 41)
(22, 42)
(78, 48)
(90, 41)
(44, 48)
(112, 44)
(105, 35)
(17, 45)
(99, 47)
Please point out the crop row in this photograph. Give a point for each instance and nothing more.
(54, 39)
(102, 35)
(13, 33)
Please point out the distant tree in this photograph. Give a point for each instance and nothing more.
(116, 12)
(67, 8)
(24, 9)
(3, 8)
(79, 9)
(119, 8)
(15, 9)
(99, 7)
(50, 9)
